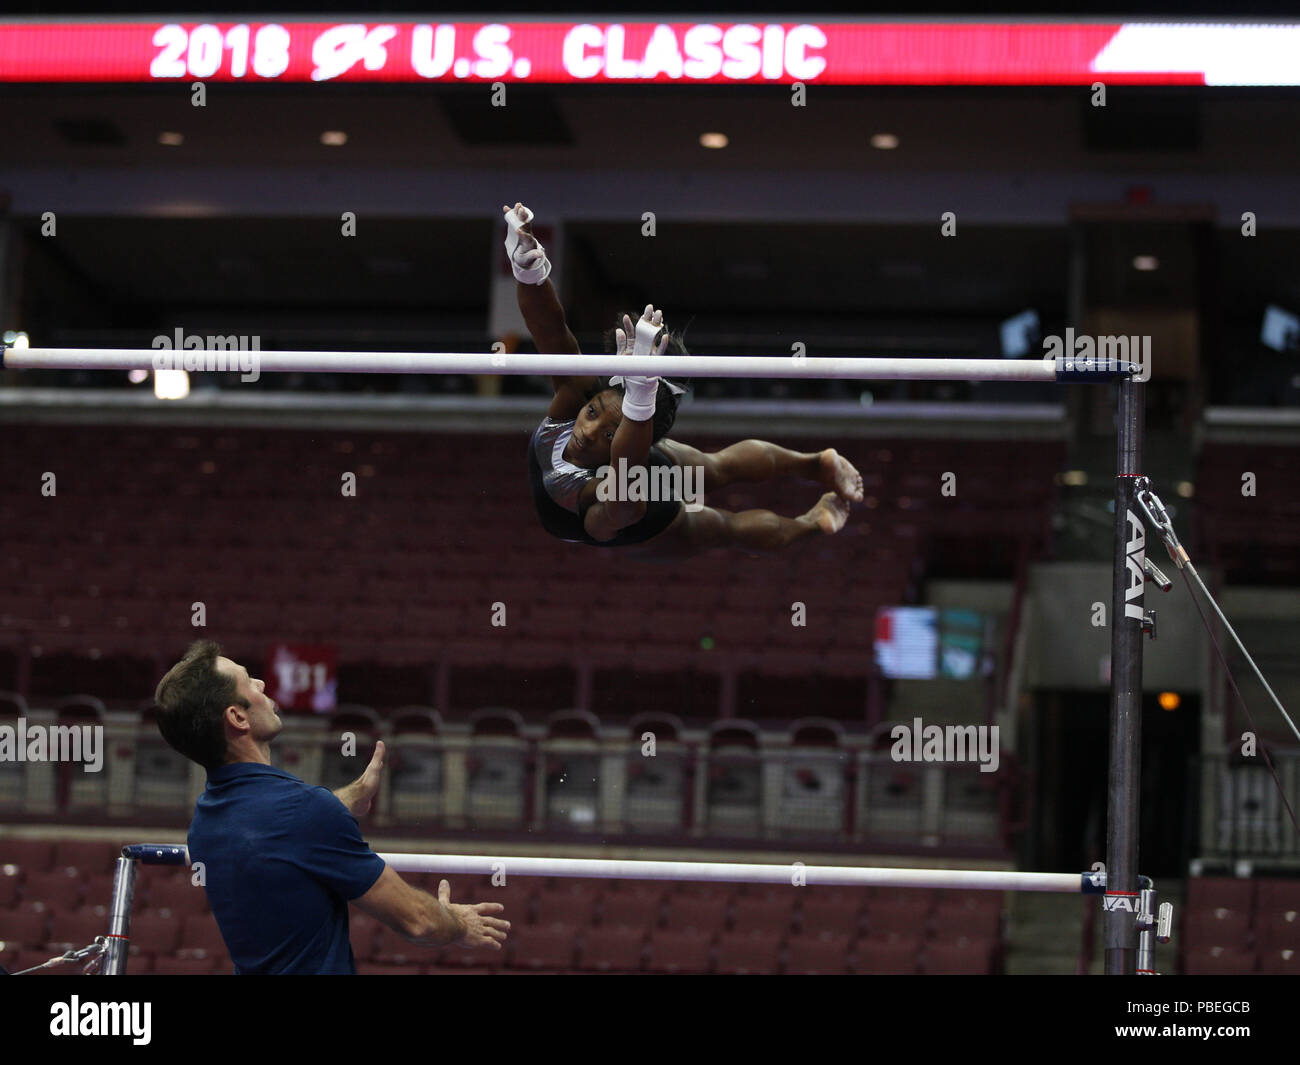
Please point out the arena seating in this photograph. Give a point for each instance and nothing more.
(1234, 927)
(103, 579)
(104, 575)
(651, 927)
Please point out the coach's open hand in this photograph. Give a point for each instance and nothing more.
(481, 930)
(359, 795)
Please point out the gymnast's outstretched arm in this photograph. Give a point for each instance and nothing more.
(542, 310)
(635, 433)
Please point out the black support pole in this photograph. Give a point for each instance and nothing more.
(1127, 614)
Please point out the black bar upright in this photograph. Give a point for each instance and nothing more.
(1127, 612)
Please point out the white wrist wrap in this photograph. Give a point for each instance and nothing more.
(639, 397)
(639, 392)
(527, 256)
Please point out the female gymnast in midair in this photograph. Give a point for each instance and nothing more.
(593, 424)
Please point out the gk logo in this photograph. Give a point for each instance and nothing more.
(338, 49)
(1119, 902)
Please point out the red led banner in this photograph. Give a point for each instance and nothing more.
(839, 53)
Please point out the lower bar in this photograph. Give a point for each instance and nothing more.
(738, 873)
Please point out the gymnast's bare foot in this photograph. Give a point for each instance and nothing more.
(840, 474)
(829, 513)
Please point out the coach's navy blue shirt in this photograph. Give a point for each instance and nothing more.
(282, 859)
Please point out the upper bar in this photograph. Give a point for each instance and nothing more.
(971, 879)
(772, 366)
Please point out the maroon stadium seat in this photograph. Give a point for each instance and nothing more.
(886, 956)
(24, 928)
(773, 915)
(574, 906)
(374, 969)
(679, 952)
(818, 955)
(388, 948)
(542, 947)
(1218, 927)
(957, 921)
(77, 928)
(1279, 929)
(58, 890)
(88, 857)
(30, 855)
(968, 901)
(1219, 961)
(9, 883)
(178, 895)
(748, 953)
(962, 958)
(1274, 896)
(632, 907)
(196, 965)
(1279, 961)
(200, 932)
(1211, 892)
(155, 932)
(612, 949)
(836, 916)
(906, 905)
(99, 890)
(702, 913)
(456, 958)
(363, 932)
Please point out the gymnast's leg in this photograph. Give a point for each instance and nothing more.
(758, 460)
(760, 531)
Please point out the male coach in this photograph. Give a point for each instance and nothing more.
(282, 859)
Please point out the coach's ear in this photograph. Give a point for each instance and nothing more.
(237, 717)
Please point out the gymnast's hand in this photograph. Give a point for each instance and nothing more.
(639, 390)
(648, 326)
(481, 930)
(527, 256)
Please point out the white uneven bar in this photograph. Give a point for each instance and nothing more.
(776, 366)
(737, 873)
